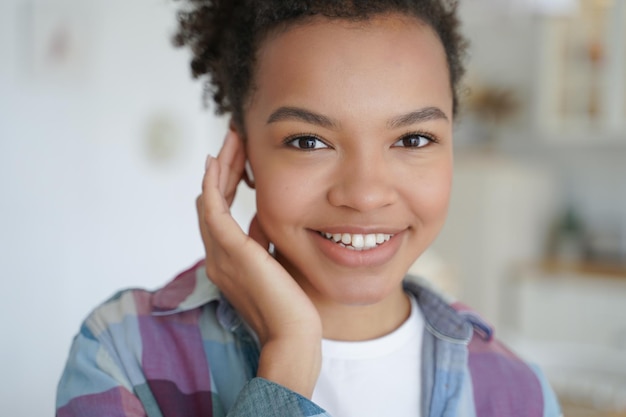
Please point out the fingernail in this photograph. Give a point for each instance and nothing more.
(208, 162)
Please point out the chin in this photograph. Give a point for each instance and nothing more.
(361, 291)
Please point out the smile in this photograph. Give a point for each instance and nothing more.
(357, 241)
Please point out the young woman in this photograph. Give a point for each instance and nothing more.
(342, 118)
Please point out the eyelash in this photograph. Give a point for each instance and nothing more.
(429, 137)
(290, 140)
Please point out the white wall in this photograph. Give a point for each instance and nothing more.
(83, 210)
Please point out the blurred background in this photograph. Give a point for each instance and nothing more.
(103, 138)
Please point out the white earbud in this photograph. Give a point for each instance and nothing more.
(249, 173)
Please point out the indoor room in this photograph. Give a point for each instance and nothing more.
(104, 136)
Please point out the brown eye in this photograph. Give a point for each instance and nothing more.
(306, 143)
(413, 141)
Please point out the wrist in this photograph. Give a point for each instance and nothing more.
(293, 362)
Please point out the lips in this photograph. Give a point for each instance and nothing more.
(356, 250)
(357, 241)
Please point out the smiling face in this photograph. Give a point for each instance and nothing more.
(349, 135)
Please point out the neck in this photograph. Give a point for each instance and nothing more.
(364, 322)
(381, 314)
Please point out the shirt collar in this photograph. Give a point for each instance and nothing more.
(450, 321)
(189, 290)
(192, 289)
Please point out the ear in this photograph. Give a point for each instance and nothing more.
(248, 176)
(238, 131)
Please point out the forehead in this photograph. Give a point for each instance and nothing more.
(337, 63)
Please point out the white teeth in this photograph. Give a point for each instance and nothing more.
(370, 241)
(357, 241)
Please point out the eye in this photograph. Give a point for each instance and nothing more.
(414, 140)
(306, 142)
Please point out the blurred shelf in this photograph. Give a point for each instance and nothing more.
(589, 137)
(578, 409)
(612, 270)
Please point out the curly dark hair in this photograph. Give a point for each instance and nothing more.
(224, 36)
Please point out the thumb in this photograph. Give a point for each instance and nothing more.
(256, 233)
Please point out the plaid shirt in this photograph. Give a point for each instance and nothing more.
(184, 351)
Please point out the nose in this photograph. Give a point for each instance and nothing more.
(364, 182)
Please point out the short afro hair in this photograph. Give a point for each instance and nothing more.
(224, 36)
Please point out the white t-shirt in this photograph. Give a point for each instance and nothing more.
(380, 377)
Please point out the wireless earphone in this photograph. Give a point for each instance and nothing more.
(249, 177)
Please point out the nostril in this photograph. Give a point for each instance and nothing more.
(363, 195)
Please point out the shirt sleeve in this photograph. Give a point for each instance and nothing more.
(263, 398)
(93, 385)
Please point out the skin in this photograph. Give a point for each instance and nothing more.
(374, 102)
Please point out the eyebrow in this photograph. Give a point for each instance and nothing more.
(307, 116)
(297, 113)
(421, 115)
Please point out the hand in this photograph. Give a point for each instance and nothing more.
(267, 297)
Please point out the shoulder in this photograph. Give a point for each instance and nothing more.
(502, 383)
(136, 309)
(150, 346)
(502, 380)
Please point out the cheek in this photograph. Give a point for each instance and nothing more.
(429, 194)
(281, 200)
(288, 189)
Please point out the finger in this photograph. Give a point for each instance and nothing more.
(225, 157)
(215, 211)
(231, 160)
(229, 147)
(228, 157)
(212, 198)
(201, 222)
(239, 156)
(235, 172)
